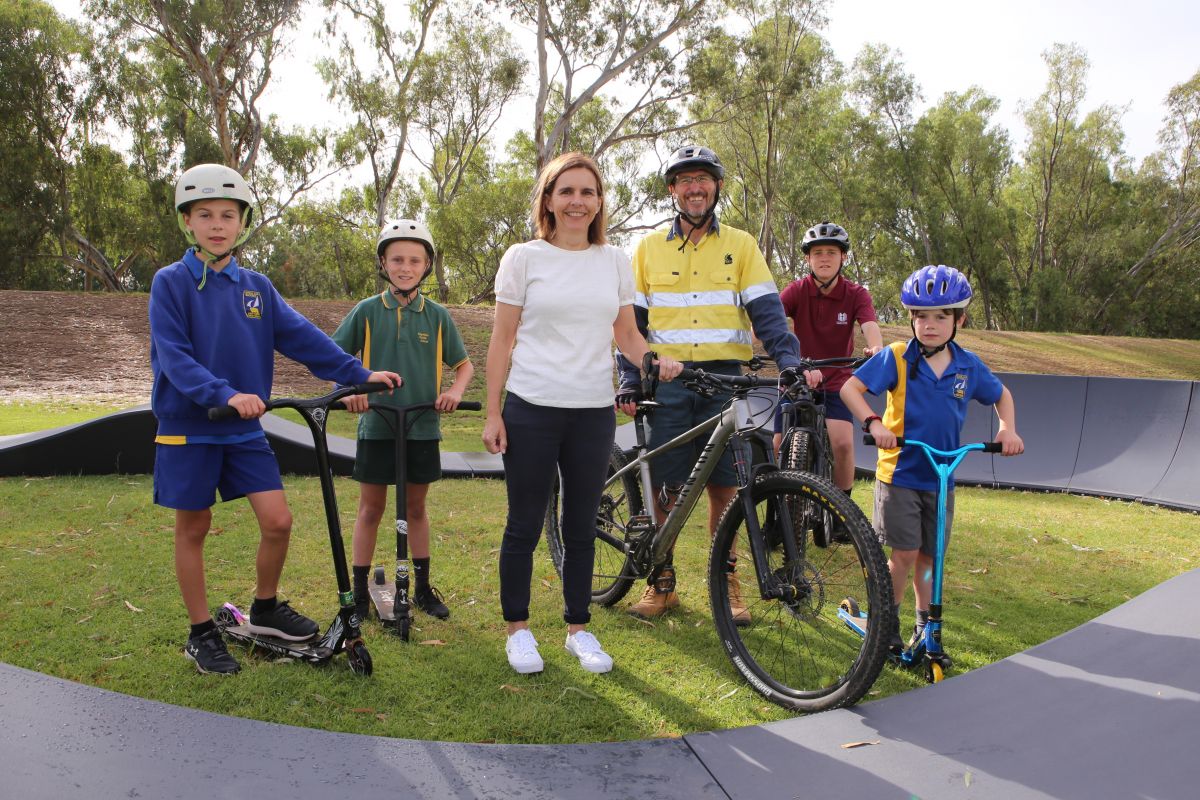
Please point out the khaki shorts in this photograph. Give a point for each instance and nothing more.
(906, 519)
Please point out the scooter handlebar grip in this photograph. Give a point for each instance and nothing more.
(869, 439)
(993, 447)
(470, 405)
(222, 412)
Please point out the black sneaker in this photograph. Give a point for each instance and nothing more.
(282, 623)
(209, 654)
(362, 607)
(429, 600)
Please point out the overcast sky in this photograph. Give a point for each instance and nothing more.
(1138, 51)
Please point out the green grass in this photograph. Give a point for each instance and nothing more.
(89, 594)
(24, 417)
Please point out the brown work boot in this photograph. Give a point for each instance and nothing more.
(659, 597)
(741, 614)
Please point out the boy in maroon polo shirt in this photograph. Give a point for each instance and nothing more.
(823, 307)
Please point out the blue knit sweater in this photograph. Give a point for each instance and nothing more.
(209, 344)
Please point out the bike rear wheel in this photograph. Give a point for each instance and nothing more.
(612, 573)
(798, 452)
(795, 650)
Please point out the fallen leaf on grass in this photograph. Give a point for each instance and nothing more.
(362, 711)
(434, 642)
(508, 687)
(117, 658)
(84, 619)
(381, 717)
(728, 695)
(547, 584)
(132, 607)
(577, 691)
(851, 745)
(980, 571)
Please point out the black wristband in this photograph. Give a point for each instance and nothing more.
(866, 426)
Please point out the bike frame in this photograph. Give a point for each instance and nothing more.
(727, 431)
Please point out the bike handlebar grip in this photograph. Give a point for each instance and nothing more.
(993, 447)
(470, 405)
(222, 412)
(374, 386)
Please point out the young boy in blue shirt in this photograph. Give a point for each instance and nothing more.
(929, 381)
(405, 330)
(214, 330)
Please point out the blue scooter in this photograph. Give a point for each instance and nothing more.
(927, 650)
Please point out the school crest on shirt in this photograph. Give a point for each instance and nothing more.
(843, 318)
(423, 337)
(960, 386)
(252, 303)
(729, 258)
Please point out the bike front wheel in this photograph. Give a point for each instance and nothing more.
(613, 572)
(790, 643)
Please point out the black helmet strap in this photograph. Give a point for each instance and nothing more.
(695, 223)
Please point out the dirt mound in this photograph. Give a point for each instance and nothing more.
(93, 346)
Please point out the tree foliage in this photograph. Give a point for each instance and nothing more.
(1058, 231)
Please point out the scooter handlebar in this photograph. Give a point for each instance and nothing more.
(988, 447)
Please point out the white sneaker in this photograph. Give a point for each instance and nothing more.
(523, 653)
(591, 657)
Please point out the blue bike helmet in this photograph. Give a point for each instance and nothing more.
(935, 287)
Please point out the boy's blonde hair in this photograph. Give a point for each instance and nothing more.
(543, 221)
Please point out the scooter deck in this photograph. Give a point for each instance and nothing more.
(857, 623)
(311, 650)
(383, 597)
(234, 624)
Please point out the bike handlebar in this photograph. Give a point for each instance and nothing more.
(988, 447)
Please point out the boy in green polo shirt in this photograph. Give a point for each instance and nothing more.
(416, 336)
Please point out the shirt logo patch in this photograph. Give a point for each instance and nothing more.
(960, 386)
(252, 303)
(843, 318)
(423, 337)
(729, 258)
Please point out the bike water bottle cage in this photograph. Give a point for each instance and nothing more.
(668, 494)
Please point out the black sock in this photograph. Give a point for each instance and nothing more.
(360, 580)
(922, 618)
(261, 606)
(421, 573)
(202, 628)
(849, 491)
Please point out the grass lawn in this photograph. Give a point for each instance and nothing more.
(89, 595)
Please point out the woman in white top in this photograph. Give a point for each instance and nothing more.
(561, 300)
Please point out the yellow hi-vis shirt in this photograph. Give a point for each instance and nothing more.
(696, 298)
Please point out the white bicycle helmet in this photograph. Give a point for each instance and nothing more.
(405, 230)
(211, 182)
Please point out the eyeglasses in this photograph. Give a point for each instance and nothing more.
(698, 180)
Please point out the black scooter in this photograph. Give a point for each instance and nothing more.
(391, 598)
(343, 634)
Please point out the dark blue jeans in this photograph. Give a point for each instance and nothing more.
(543, 440)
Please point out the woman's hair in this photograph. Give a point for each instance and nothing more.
(543, 220)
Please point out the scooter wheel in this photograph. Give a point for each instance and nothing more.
(402, 627)
(934, 672)
(360, 659)
(850, 606)
(225, 618)
(380, 578)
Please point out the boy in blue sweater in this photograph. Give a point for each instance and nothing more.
(214, 330)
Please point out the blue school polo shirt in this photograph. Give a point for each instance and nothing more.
(923, 406)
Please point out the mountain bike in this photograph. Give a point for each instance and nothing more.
(793, 650)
